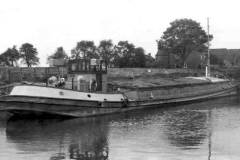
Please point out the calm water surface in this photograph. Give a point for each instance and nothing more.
(201, 131)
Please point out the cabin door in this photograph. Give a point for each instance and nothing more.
(99, 81)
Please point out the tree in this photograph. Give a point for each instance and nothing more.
(150, 61)
(59, 54)
(127, 55)
(183, 37)
(139, 59)
(29, 54)
(3, 59)
(106, 50)
(85, 50)
(10, 56)
(124, 53)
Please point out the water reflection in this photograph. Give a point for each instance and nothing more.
(186, 128)
(80, 139)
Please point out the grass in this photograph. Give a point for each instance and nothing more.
(143, 77)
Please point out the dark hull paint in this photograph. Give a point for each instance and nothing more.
(75, 108)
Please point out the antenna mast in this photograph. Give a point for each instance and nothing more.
(208, 51)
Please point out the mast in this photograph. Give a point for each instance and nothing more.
(208, 52)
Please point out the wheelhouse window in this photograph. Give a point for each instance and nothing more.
(83, 66)
(74, 67)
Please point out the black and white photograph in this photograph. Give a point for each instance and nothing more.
(119, 80)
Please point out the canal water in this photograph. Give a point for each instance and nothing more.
(199, 131)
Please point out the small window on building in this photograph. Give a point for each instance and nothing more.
(83, 66)
(87, 66)
(80, 66)
(74, 67)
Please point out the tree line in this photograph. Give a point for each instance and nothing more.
(124, 54)
(181, 38)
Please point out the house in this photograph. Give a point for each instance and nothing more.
(219, 56)
(228, 57)
(166, 60)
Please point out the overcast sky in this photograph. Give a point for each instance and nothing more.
(48, 24)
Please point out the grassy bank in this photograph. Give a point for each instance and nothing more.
(119, 76)
(145, 77)
(126, 73)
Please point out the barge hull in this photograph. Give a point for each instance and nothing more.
(83, 108)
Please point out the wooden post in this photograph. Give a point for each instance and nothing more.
(72, 83)
(99, 81)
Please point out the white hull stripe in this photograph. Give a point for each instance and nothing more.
(48, 92)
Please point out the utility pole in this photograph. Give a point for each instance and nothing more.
(208, 51)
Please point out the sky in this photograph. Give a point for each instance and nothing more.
(48, 24)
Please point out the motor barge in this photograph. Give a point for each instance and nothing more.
(85, 93)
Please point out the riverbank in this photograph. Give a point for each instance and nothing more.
(145, 77)
(118, 76)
